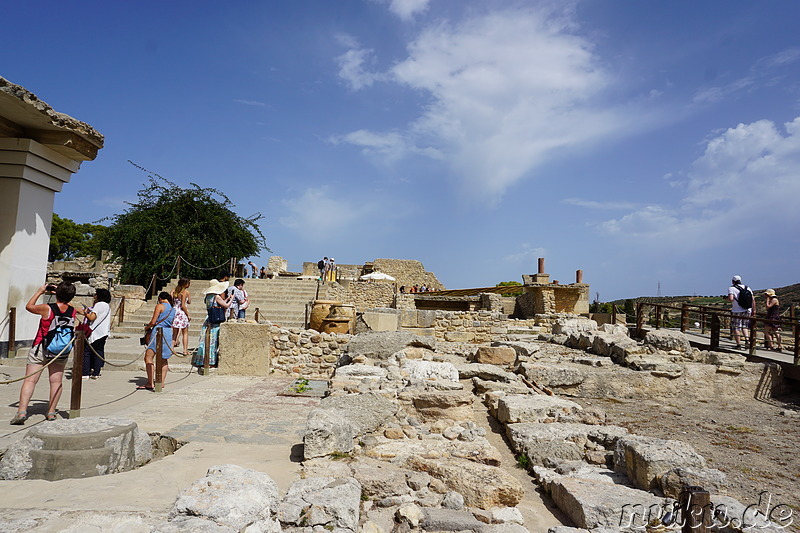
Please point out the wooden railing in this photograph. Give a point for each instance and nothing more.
(713, 320)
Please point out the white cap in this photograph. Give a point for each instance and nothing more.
(736, 278)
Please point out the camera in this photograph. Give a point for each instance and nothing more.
(50, 288)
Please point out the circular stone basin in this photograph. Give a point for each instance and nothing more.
(83, 447)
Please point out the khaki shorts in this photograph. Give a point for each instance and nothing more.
(37, 356)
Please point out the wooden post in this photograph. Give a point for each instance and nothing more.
(153, 286)
(752, 340)
(179, 267)
(715, 328)
(639, 318)
(658, 316)
(12, 330)
(796, 344)
(695, 509)
(77, 376)
(159, 359)
(121, 311)
(703, 320)
(613, 314)
(684, 317)
(256, 316)
(207, 351)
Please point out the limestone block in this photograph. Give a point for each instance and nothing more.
(333, 425)
(479, 450)
(553, 376)
(568, 326)
(485, 372)
(481, 485)
(230, 496)
(614, 329)
(428, 370)
(192, 524)
(381, 345)
(673, 481)
(130, 292)
(448, 404)
(459, 336)
(657, 366)
(666, 340)
(554, 442)
(426, 318)
(322, 501)
(380, 480)
(244, 349)
(602, 342)
(645, 459)
(408, 318)
(374, 321)
(592, 504)
(515, 408)
(360, 371)
(495, 355)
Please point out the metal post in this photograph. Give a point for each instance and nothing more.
(12, 330)
(77, 376)
(153, 286)
(179, 267)
(159, 359)
(684, 317)
(715, 328)
(695, 509)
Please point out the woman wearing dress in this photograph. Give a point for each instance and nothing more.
(180, 326)
(216, 295)
(772, 330)
(163, 315)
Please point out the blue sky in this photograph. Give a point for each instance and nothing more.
(643, 142)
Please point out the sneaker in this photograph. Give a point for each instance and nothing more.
(85, 377)
(19, 419)
(95, 377)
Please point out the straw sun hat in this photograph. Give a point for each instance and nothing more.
(216, 287)
(770, 292)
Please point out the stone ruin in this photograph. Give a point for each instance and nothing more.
(400, 441)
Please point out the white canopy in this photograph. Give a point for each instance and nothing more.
(377, 276)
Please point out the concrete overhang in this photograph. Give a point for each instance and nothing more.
(23, 115)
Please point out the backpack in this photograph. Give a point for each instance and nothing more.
(745, 299)
(61, 332)
(321, 264)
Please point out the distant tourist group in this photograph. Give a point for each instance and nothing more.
(743, 307)
(328, 271)
(416, 288)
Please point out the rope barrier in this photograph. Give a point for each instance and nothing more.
(201, 268)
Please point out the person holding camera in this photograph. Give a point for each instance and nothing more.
(61, 315)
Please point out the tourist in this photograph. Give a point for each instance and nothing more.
(39, 355)
(216, 295)
(321, 264)
(163, 316)
(263, 273)
(240, 301)
(180, 325)
(743, 307)
(402, 289)
(253, 269)
(772, 330)
(99, 316)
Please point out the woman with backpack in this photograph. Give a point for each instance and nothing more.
(51, 347)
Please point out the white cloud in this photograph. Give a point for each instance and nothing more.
(526, 254)
(317, 211)
(390, 145)
(593, 204)
(406, 9)
(352, 62)
(508, 90)
(250, 102)
(746, 184)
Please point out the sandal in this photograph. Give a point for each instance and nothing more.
(50, 417)
(142, 387)
(19, 418)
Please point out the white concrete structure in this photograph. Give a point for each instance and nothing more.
(40, 149)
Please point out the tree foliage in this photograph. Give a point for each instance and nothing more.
(510, 284)
(198, 224)
(69, 239)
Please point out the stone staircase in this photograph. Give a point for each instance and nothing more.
(281, 301)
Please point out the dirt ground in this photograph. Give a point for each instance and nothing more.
(756, 443)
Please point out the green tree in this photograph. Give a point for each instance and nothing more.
(510, 284)
(69, 239)
(168, 221)
(629, 308)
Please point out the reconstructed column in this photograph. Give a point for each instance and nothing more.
(40, 149)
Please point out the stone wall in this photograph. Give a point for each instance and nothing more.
(305, 353)
(364, 294)
(407, 272)
(470, 326)
(86, 270)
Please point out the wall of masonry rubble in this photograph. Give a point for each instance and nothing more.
(306, 353)
(364, 294)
